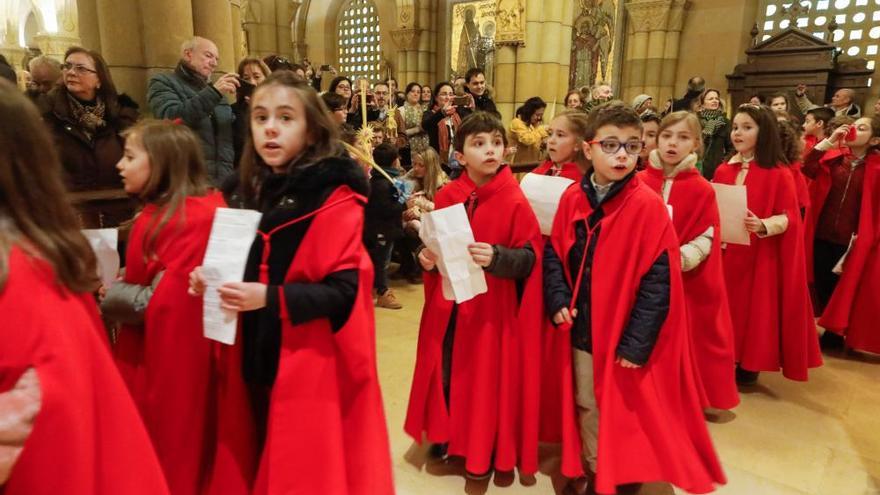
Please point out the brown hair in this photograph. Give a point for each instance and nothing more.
(476, 123)
(578, 124)
(705, 93)
(35, 213)
(322, 130)
(614, 113)
(574, 92)
(690, 120)
(107, 90)
(177, 170)
(790, 139)
(434, 175)
(768, 147)
(245, 62)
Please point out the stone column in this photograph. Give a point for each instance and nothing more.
(120, 20)
(212, 20)
(67, 33)
(653, 45)
(89, 32)
(284, 29)
(259, 22)
(238, 44)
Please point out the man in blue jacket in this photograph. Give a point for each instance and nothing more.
(189, 95)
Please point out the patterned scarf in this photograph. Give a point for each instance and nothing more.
(712, 120)
(445, 134)
(89, 118)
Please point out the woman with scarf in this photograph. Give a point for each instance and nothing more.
(716, 132)
(441, 121)
(411, 137)
(86, 117)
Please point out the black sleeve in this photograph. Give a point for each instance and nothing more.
(331, 298)
(648, 314)
(557, 294)
(491, 108)
(515, 263)
(431, 119)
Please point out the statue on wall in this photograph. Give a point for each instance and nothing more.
(511, 15)
(592, 43)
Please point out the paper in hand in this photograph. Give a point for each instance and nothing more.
(104, 243)
(232, 234)
(447, 233)
(733, 207)
(543, 193)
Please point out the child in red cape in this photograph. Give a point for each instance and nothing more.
(847, 205)
(476, 381)
(305, 303)
(188, 388)
(766, 280)
(672, 173)
(815, 127)
(612, 281)
(792, 149)
(566, 159)
(67, 422)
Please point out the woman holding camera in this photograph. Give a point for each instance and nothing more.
(527, 131)
(442, 121)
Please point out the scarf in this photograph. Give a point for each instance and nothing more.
(445, 134)
(89, 118)
(712, 120)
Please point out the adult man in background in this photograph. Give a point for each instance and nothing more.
(45, 74)
(475, 84)
(189, 95)
(842, 102)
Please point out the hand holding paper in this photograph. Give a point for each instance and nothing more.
(447, 233)
(733, 208)
(104, 243)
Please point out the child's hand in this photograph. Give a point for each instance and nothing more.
(197, 282)
(482, 253)
(839, 134)
(427, 259)
(626, 364)
(242, 296)
(563, 316)
(754, 224)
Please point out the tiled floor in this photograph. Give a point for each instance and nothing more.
(818, 438)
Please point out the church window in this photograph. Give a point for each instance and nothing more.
(357, 39)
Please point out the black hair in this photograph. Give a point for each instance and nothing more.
(473, 72)
(615, 113)
(333, 101)
(528, 109)
(410, 86)
(823, 114)
(650, 117)
(385, 155)
(335, 82)
(768, 147)
(477, 123)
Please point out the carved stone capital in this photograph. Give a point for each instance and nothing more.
(407, 39)
(655, 15)
(54, 46)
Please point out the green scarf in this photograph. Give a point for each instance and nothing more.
(712, 120)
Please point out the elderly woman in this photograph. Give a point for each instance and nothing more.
(86, 116)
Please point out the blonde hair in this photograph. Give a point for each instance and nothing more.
(435, 177)
(692, 122)
(177, 170)
(578, 124)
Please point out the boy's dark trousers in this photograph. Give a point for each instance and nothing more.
(380, 253)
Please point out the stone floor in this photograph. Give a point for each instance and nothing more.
(787, 438)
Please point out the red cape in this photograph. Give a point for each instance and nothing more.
(189, 389)
(767, 281)
(854, 308)
(494, 394)
(570, 170)
(326, 431)
(651, 425)
(694, 210)
(553, 344)
(801, 185)
(88, 438)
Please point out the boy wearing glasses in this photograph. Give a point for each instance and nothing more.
(612, 278)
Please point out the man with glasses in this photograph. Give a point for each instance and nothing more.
(188, 94)
(377, 106)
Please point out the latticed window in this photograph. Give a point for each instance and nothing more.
(358, 40)
(858, 23)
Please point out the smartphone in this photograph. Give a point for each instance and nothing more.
(245, 90)
(325, 68)
(850, 134)
(461, 101)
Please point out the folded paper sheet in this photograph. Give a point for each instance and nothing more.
(733, 207)
(543, 193)
(104, 243)
(447, 233)
(232, 234)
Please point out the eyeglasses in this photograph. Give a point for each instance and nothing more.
(612, 146)
(80, 70)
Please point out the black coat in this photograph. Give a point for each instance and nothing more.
(715, 149)
(284, 198)
(383, 214)
(652, 302)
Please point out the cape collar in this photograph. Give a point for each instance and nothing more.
(593, 198)
(495, 184)
(738, 159)
(688, 164)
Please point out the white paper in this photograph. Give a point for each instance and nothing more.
(543, 193)
(838, 268)
(232, 234)
(104, 243)
(733, 207)
(447, 233)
